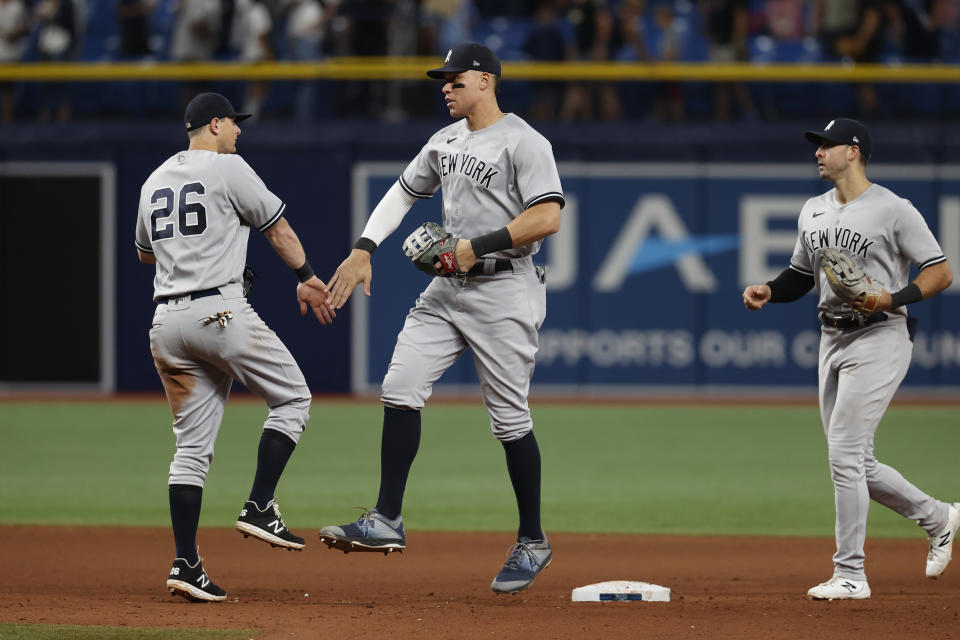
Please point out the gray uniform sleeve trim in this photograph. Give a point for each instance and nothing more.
(415, 194)
(143, 248)
(272, 221)
(932, 261)
(799, 270)
(550, 195)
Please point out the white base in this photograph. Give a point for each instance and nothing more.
(622, 591)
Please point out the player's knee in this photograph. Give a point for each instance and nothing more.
(190, 466)
(290, 418)
(510, 432)
(398, 393)
(846, 463)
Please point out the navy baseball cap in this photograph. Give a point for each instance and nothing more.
(205, 107)
(843, 131)
(467, 56)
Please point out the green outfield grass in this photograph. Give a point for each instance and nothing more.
(75, 632)
(618, 469)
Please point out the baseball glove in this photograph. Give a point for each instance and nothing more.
(428, 246)
(248, 276)
(849, 281)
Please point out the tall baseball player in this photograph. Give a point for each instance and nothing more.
(194, 220)
(501, 197)
(855, 244)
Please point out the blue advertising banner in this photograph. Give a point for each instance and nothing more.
(645, 279)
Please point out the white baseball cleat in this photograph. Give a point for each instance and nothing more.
(941, 543)
(840, 588)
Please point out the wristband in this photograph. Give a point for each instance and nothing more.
(908, 295)
(366, 244)
(305, 272)
(499, 240)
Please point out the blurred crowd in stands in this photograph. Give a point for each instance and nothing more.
(760, 31)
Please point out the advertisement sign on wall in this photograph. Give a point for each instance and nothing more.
(645, 278)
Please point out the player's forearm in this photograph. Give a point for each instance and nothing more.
(388, 214)
(934, 279)
(286, 243)
(146, 258)
(536, 223)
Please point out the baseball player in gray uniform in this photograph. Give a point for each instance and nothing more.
(501, 197)
(865, 344)
(194, 220)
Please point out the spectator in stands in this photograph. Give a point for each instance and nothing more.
(133, 17)
(196, 31)
(447, 23)
(917, 28)
(14, 28)
(597, 40)
(196, 35)
(307, 22)
(252, 34)
(853, 30)
(363, 31)
(668, 47)
(550, 39)
(784, 19)
(57, 37)
(726, 24)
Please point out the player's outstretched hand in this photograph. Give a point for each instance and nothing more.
(315, 295)
(351, 272)
(756, 295)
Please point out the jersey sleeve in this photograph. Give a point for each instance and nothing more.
(421, 179)
(249, 195)
(800, 261)
(142, 237)
(915, 239)
(536, 172)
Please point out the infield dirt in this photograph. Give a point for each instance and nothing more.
(723, 587)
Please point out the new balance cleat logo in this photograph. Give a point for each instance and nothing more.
(267, 525)
(203, 580)
(849, 587)
(945, 539)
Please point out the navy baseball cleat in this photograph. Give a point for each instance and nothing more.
(267, 525)
(192, 583)
(372, 532)
(525, 560)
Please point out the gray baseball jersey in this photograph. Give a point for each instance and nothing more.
(488, 177)
(881, 231)
(195, 215)
(861, 369)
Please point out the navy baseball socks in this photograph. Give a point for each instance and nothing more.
(381, 529)
(267, 524)
(187, 577)
(532, 553)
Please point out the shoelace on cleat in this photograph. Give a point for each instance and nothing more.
(517, 553)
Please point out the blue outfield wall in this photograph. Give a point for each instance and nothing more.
(664, 227)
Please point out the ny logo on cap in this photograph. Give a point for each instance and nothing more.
(856, 139)
(449, 53)
(476, 63)
(827, 128)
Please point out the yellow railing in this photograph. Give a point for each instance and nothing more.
(414, 68)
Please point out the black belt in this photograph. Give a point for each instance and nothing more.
(193, 296)
(500, 265)
(851, 320)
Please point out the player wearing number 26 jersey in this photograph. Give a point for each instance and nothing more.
(194, 219)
